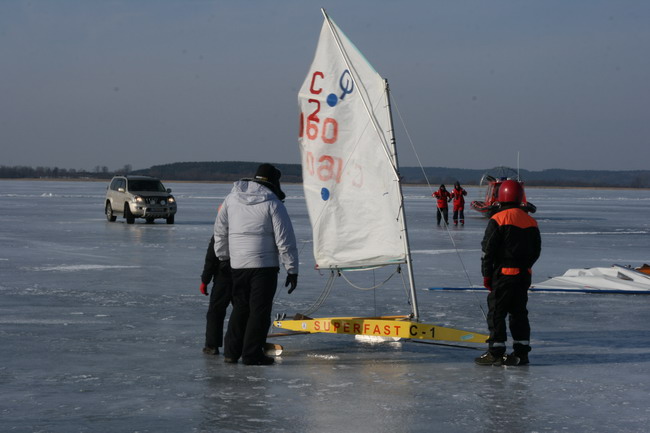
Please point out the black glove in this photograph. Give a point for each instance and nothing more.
(292, 279)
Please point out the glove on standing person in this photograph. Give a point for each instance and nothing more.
(292, 280)
(487, 283)
(204, 289)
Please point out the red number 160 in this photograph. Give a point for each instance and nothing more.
(329, 131)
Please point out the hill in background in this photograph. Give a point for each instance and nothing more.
(234, 170)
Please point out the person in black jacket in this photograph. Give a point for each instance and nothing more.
(511, 245)
(220, 298)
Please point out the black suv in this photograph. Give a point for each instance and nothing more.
(139, 197)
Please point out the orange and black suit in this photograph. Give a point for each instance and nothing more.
(511, 245)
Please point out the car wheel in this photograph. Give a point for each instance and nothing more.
(170, 220)
(109, 213)
(130, 219)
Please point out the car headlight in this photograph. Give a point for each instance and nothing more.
(138, 199)
(171, 200)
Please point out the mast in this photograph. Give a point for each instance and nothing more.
(407, 247)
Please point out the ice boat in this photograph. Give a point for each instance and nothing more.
(615, 279)
(492, 182)
(352, 188)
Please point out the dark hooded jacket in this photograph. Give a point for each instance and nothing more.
(512, 240)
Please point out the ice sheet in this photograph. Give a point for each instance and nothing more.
(101, 326)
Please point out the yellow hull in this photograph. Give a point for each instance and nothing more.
(386, 326)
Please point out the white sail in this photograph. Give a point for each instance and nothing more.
(348, 162)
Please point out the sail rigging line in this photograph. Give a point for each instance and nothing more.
(323, 296)
(375, 286)
(408, 135)
(417, 156)
(405, 287)
(407, 247)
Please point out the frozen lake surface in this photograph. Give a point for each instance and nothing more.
(101, 326)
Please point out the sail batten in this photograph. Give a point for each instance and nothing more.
(351, 186)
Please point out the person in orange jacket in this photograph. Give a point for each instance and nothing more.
(458, 196)
(443, 197)
(511, 245)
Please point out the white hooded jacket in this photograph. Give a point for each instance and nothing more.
(253, 229)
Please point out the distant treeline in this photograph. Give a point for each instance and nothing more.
(233, 170)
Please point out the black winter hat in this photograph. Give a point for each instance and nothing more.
(267, 173)
(269, 176)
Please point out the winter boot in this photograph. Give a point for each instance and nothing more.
(511, 359)
(488, 359)
(522, 358)
(521, 352)
(209, 350)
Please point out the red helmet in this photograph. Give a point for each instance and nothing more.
(511, 191)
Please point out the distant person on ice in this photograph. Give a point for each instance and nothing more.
(254, 234)
(220, 298)
(442, 196)
(458, 196)
(511, 245)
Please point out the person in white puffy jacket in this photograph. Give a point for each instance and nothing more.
(253, 234)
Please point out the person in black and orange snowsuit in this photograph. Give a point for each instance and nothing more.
(442, 196)
(511, 245)
(458, 196)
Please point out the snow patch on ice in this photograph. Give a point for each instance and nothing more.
(446, 251)
(47, 322)
(616, 232)
(76, 268)
(340, 385)
(299, 385)
(320, 356)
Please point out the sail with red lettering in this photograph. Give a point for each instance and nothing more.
(352, 189)
(349, 164)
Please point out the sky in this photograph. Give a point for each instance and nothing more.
(475, 84)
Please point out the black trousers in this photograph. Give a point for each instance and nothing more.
(459, 213)
(508, 298)
(220, 298)
(443, 212)
(252, 297)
